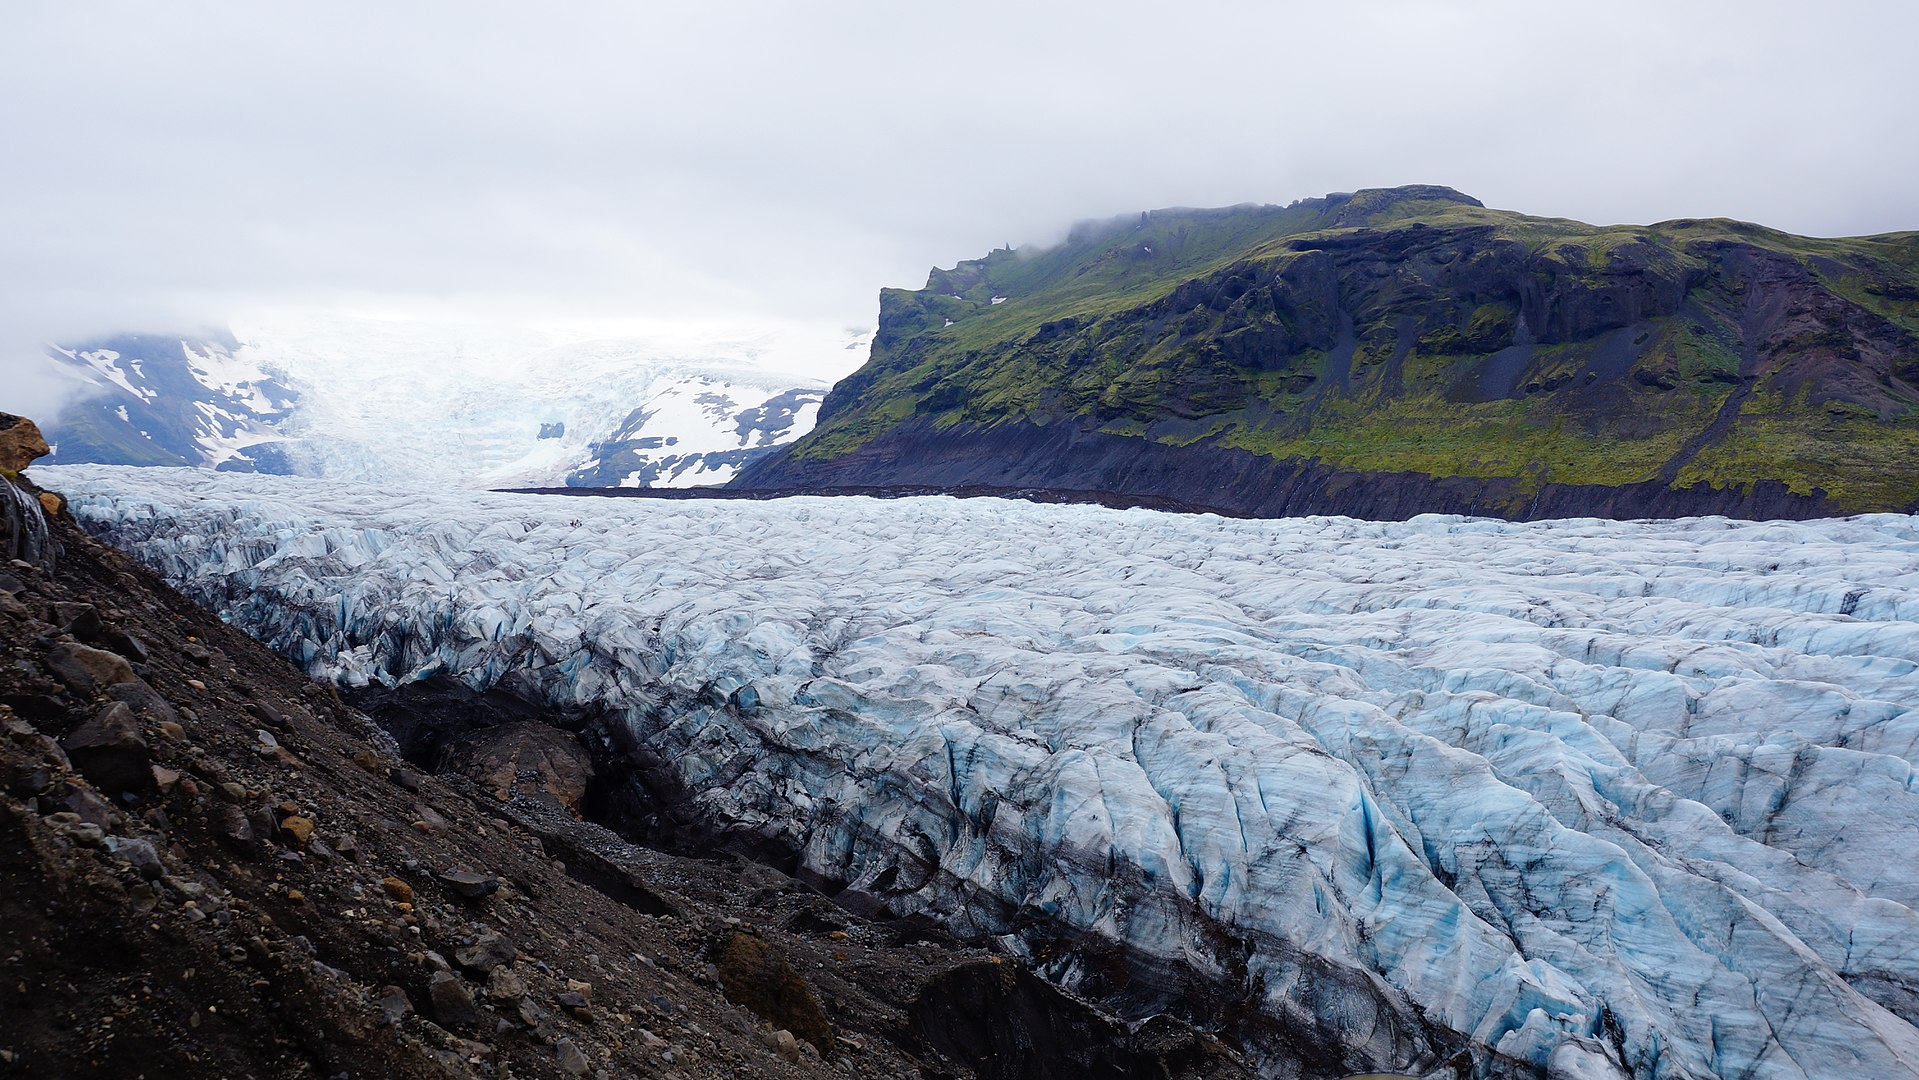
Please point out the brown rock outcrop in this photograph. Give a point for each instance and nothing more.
(530, 759)
(20, 443)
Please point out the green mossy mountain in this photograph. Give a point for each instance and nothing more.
(1396, 351)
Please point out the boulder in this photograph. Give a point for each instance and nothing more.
(485, 954)
(108, 750)
(504, 984)
(20, 443)
(452, 1002)
(127, 645)
(83, 669)
(29, 778)
(231, 824)
(571, 1059)
(138, 854)
(469, 885)
(24, 534)
(82, 802)
(142, 698)
(754, 976)
(393, 1005)
(80, 620)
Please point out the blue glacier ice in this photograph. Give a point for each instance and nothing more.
(1588, 797)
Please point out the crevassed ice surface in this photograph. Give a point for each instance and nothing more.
(1602, 798)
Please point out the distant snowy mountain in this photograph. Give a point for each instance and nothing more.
(157, 400)
(696, 432)
(408, 403)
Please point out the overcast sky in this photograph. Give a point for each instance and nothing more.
(172, 164)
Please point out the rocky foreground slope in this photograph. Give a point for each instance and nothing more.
(212, 866)
(1399, 351)
(1460, 796)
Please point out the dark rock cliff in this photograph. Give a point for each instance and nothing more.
(1243, 484)
(24, 533)
(1394, 352)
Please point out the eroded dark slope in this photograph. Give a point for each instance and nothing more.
(1398, 351)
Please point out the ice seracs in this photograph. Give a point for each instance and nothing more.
(1590, 798)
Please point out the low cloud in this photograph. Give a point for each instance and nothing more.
(174, 165)
(34, 386)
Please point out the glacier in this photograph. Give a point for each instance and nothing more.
(1454, 796)
(421, 404)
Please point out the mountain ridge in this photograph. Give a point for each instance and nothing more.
(1697, 365)
(397, 404)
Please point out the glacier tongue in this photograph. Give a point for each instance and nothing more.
(1599, 798)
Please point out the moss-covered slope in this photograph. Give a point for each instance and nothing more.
(1407, 335)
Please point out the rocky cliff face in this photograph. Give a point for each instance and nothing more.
(1398, 351)
(24, 533)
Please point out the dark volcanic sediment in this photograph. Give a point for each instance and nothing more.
(1393, 352)
(1065, 463)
